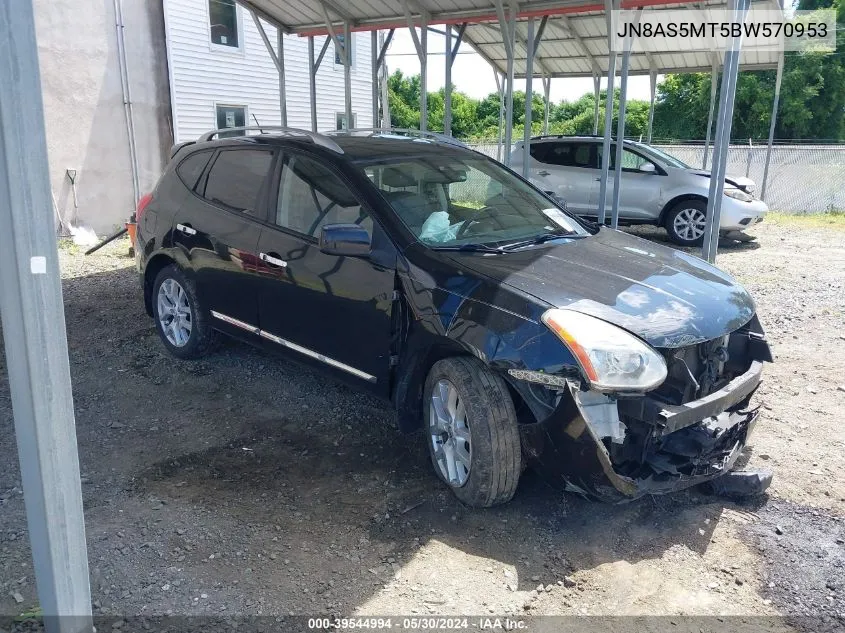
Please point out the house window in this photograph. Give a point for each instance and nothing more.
(230, 116)
(338, 60)
(341, 121)
(223, 18)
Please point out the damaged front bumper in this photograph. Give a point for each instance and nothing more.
(619, 448)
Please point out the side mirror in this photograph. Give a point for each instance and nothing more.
(346, 240)
(648, 168)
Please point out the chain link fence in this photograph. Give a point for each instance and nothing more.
(802, 178)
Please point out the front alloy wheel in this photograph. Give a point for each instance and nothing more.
(687, 222)
(451, 441)
(472, 434)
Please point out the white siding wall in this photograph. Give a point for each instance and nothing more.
(202, 75)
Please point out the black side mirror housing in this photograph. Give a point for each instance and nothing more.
(345, 240)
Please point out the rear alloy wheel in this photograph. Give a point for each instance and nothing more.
(472, 433)
(180, 320)
(686, 222)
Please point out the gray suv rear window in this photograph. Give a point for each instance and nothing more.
(563, 154)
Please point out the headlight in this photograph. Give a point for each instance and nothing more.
(611, 358)
(738, 194)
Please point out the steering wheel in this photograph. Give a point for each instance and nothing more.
(474, 217)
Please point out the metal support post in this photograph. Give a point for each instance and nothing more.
(723, 137)
(374, 71)
(451, 55)
(381, 77)
(500, 80)
(421, 45)
(347, 75)
(507, 25)
(278, 60)
(34, 334)
(283, 101)
(620, 138)
(772, 125)
(547, 87)
(652, 81)
(447, 90)
(597, 95)
(714, 75)
(312, 83)
(529, 96)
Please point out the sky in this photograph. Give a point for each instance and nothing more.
(473, 76)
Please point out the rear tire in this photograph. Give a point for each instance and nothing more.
(482, 437)
(686, 222)
(181, 321)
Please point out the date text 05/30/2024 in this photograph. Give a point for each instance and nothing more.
(425, 623)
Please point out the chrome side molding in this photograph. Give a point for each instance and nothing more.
(291, 345)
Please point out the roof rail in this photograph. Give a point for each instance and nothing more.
(399, 131)
(280, 130)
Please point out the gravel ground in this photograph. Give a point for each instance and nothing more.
(245, 485)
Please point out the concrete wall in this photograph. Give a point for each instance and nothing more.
(83, 104)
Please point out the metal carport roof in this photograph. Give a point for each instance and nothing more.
(574, 43)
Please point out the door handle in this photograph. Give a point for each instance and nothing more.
(273, 259)
(542, 172)
(187, 229)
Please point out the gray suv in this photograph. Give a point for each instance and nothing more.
(656, 188)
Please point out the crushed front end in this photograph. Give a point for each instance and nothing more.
(619, 446)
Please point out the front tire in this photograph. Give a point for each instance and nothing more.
(472, 433)
(686, 222)
(182, 323)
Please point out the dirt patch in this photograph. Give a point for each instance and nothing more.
(245, 485)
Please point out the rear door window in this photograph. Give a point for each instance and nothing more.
(237, 178)
(569, 154)
(191, 168)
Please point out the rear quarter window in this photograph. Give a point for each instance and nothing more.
(191, 168)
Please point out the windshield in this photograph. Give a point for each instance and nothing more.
(449, 201)
(670, 160)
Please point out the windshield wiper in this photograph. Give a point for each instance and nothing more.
(539, 239)
(472, 247)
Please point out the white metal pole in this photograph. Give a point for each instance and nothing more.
(283, 107)
(608, 125)
(447, 96)
(547, 87)
(714, 75)
(312, 83)
(529, 96)
(723, 137)
(424, 76)
(374, 49)
(620, 138)
(385, 101)
(33, 319)
(511, 36)
(652, 79)
(597, 95)
(772, 125)
(347, 74)
(501, 88)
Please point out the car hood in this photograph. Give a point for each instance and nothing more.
(664, 296)
(741, 182)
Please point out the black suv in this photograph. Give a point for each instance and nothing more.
(509, 331)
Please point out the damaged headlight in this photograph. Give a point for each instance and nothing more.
(610, 358)
(738, 194)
